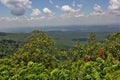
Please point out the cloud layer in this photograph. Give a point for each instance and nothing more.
(68, 14)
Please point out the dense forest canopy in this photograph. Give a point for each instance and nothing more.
(39, 59)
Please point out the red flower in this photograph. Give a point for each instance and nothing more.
(87, 59)
(101, 53)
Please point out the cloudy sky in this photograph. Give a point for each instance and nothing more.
(30, 13)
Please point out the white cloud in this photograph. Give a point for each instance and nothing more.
(48, 12)
(97, 10)
(17, 7)
(69, 10)
(35, 12)
(114, 7)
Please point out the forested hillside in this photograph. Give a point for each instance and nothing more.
(40, 59)
(8, 47)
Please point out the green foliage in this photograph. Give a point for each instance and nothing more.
(37, 49)
(39, 59)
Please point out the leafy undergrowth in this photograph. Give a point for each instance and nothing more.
(39, 59)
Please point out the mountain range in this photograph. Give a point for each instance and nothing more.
(82, 28)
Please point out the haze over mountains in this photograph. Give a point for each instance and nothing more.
(81, 28)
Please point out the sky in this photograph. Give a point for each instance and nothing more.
(31, 13)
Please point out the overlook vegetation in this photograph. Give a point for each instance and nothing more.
(38, 58)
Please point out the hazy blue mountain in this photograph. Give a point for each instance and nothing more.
(82, 28)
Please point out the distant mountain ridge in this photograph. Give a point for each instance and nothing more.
(82, 28)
